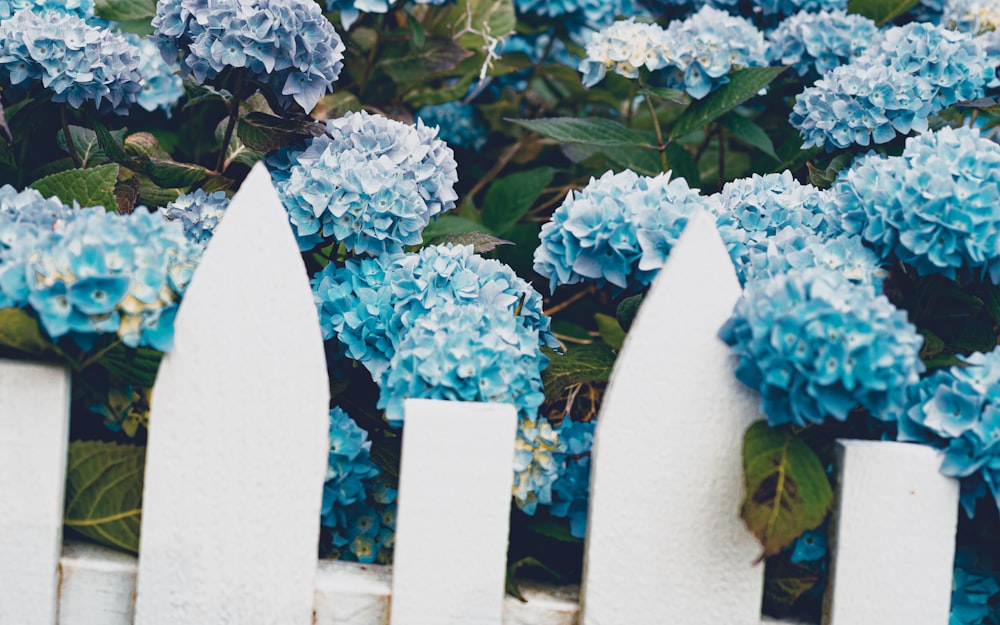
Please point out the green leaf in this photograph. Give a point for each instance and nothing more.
(672, 95)
(511, 583)
(580, 364)
(263, 132)
(135, 366)
(88, 148)
(784, 583)
(125, 10)
(747, 131)
(510, 197)
(569, 330)
(236, 151)
(480, 241)
(467, 21)
(89, 187)
(104, 492)
(880, 11)
(450, 225)
(683, 164)
(627, 310)
(824, 178)
(170, 173)
(611, 332)
(198, 93)
(439, 55)
(743, 85)
(589, 130)
(787, 491)
(18, 329)
(111, 144)
(991, 298)
(640, 160)
(144, 144)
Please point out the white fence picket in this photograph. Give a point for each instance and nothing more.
(453, 515)
(238, 438)
(34, 423)
(98, 586)
(892, 536)
(665, 543)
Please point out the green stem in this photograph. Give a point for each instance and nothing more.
(234, 115)
(69, 138)
(370, 62)
(660, 144)
(722, 156)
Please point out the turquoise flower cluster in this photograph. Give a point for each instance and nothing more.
(198, 212)
(695, 54)
(973, 587)
(618, 230)
(94, 272)
(935, 207)
(80, 8)
(460, 125)
(287, 45)
(78, 63)
(371, 183)
(907, 74)
(25, 219)
(571, 490)
(358, 512)
(958, 410)
(815, 43)
(351, 10)
(162, 86)
(817, 345)
(591, 12)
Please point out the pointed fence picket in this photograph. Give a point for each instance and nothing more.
(236, 462)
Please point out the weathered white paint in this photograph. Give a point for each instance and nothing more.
(892, 538)
(348, 593)
(97, 587)
(454, 510)
(665, 543)
(238, 434)
(34, 422)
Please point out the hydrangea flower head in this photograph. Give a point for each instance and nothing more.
(571, 490)
(351, 10)
(624, 47)
(162, 87)
(815, 43)
(198, 212)
(78, 63)
(593, 12)
(465, 352)
(459, 124)
(349, 464)
(80, 8)
(815, 345)
(539, 453)
(618, 229)
(971, 16)
(371, 183)
(935, 207)
(286, 44)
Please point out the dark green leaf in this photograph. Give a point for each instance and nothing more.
(743, 85)
(672, 95)
(480, 241)
(642, 160)
(580, 364)
(88, 148)
(880, 11)
(152, 194)
(89, 187)
(20, 330)
(135, 366)
(548, 526)
(824, 178)
(510, 197)
(627, 310)
(467, 21)
(263, 132)
(125, 10)
(589, 130)
(567, 329)
(787, 491)
(425, 95)
(747, 131)
(198, 93)
(104, 492)
(611, 332)
(784, 583)
(169, 173)
(144, 144)
(111, 144)
(438, 55)
(682, 164)
(450, 225)
(933, 346)
(991, 298)
(512, 569)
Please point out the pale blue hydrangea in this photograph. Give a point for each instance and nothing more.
(162, 86)
(707, 46)
(349, 466)
(80, 8)
(198, 212)
(368, 305)
(465, 352)
(792, 7)
(103, 273)
(459, 124)
(958, 410)
(624, 47)
(287, 45)
(539, 454)
(594, 12)
(935, 207)
(618, 230)
(971, 16)
(571, 490)
(907, 74)
(371, 183)
(351, 10)
(815, 43)
(78, 63)
(27, 215)
(811, 546)
(816, 345)
(974, 585)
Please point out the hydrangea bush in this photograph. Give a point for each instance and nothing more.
(482, 192)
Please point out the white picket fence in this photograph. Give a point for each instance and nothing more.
(237, 457)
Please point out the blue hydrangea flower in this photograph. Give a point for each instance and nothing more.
(624, 47)
(974, 585)
(465, 352)
(369, 304)
(958, 410)
(198, 212)
(371, 183)
(27, 215)
(80, 8)
(971, 16)
(287, 45)
(810, 546)
(97, 272)
(349, 465)
(815, 43)
(594, 12)
(815, 345)
(707, 46)
(618, 229)
(797, 248)
(539, 453)
(76, 62)
(571, 490)
(459, 124)
(162, 86)
(935, 207)
(351, 10)
(907, 74)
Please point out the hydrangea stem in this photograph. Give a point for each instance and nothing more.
(69, 138)
(234, 115)
(660, 145)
